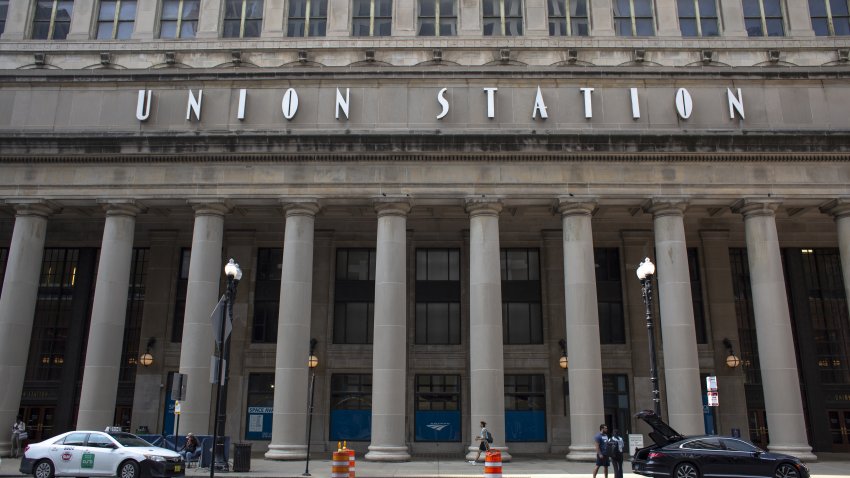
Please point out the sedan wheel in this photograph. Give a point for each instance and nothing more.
(786, 471)
(128, 469)
(686, 470)
(43, 469)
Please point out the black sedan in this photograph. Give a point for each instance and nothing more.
(706, 456)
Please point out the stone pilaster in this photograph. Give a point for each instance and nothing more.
(667, 19)
(601, 22)
(274, 12)
(840, 210)
(582, 327)
(486, 358)
(536, 19)
(18, 24)
(146, 27)
(779, 374)
(339, 18)
(109, 313)
(17, 305)
(202, 294)
(289, 430)
(209, 19)
(389, 353)
(469, 23)
(799, 19)
(81, 20)
(732, 18)
(722, 315)
(681, 363)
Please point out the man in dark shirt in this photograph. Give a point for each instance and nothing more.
(599, 441)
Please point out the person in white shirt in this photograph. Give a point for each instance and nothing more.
(484, 445)
(19, 430)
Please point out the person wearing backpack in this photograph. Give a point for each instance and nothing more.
(599, 442)
(615, 452)
(486, 438)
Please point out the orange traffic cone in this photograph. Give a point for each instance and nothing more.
(339, 466)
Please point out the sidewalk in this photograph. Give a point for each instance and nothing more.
(548, 466)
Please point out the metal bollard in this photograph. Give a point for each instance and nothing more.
(339, 466)
(493, 464)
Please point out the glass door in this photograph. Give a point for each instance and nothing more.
(39, 422)
(839, 429)
(757, 418)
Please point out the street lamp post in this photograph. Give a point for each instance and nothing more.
(645, 272)
(312, 363)
(234, 275)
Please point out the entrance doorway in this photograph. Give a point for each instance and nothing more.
(39, 422)
(839, 429)
(757, 418)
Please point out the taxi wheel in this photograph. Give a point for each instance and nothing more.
(43, 469)
(128, 469)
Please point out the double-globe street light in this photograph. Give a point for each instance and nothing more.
(234, 275)
(645, 272)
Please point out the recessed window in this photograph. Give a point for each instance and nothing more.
(568, 18)
(633, 18)
(351, 407)
(4, 9)
(437, 402)
(180, 295)
(115, 19)
(52, 19)
(764, 18)
(437, 296)
(502, 17)
(354, 296)
(522, 320)
(698, 18)
(830, 17)
(372, 18)
(307, 18)
(243, 18)
(525, 408)
(179, 18)
(609, 295)
(437, 18)
(267, 295)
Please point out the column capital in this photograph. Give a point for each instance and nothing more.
(392, 205)
(121, 207)
(300, 206)
(756, 207)
(838, 208)
(483, 206)
(210, 207)
(33, 207)
(576, 206)
(660, 207)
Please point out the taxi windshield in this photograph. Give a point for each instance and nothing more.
(128, 439)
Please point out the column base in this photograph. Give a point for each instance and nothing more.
(803, 452)
(582, 453)
(286, 452)
(387, 453)
(473, 452)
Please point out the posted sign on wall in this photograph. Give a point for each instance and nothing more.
(711, 391)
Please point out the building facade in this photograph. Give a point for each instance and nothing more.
(449, 196)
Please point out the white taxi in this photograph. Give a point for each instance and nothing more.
(93, 453)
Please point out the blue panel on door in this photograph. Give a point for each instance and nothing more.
(525, 425)
(438, 426)
(351, 425)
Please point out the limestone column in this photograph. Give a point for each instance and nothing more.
(582, 327)
(732, 18)
(209, 19)
(486, 357)
(81, 20)
(289, 426)
(389, 352)
(206, 270)
(18, 23)
(840, 210)
(779, 375)
(273, 14)
(109, 313)
(601, 25)
(681, 363)
(667, 19)
(17, 306)
(717, 267)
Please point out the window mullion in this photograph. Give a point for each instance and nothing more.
(436, 17)
(372, 17)
(699, 20)
(567, 17)
(179, 19)
(632, 17)
(242, 21)
(502, 15)
(829, 22)
(763, 18)
(307, 18)
(50, 27)
(115, 19)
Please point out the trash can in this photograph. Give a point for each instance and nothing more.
(242, 457)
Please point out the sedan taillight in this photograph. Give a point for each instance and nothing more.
(653, 455)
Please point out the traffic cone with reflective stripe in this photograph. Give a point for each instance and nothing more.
(493, 464)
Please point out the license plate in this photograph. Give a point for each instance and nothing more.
(177, 467)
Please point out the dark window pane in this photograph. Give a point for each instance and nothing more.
(707, 8)
(686, 8)
(60, 30)
(821, 26)
(231, 28)
(168, 30)
(643, 8)
(427, 8)
(710, 28)
(170, 9)
(775, 27)
(63, 11)
(817, 8)
(645, 27)
(754, 27)
(772, 8)
(623, 27)
(842, 26)
(107, 11)
(689, 27)
(752, 8)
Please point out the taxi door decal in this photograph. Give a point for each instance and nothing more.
(87, 461)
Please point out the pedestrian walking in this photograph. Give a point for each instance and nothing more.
(599, 442)
(486, 438)
(617, 459)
